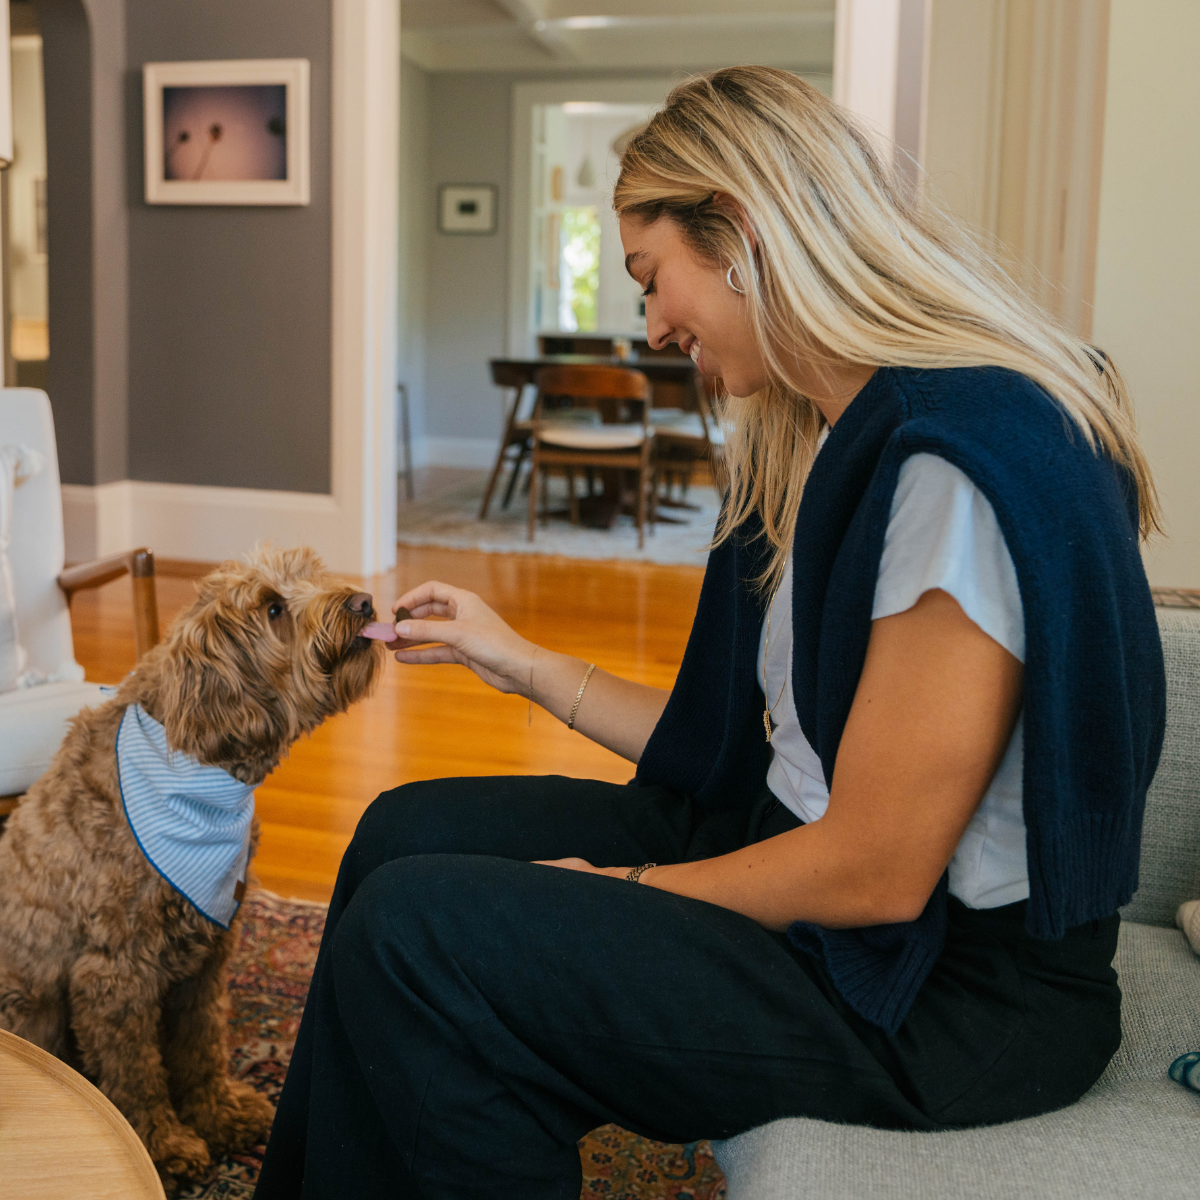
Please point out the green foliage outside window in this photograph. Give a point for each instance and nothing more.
(581, 257)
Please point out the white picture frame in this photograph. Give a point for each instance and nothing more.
(245, 94)
(467, 208)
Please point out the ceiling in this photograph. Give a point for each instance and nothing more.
(586, 35)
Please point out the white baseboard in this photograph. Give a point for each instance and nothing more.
(455, 452)
(205, 524)
(79, 522)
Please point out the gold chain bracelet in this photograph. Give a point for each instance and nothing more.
(579, 695)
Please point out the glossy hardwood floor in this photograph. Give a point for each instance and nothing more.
(427, 722)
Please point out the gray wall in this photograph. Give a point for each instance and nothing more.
(67, 66)
(468, 275)
(229, 316)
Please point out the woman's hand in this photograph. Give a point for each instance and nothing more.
(581, 864)
(472, 634)
(614, 712)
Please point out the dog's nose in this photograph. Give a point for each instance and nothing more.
(361, 603)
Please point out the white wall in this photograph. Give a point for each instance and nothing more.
(1147, 305)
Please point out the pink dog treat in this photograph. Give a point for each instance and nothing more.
(379, 631)
(383, 631)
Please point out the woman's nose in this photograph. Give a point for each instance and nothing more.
(362, 604)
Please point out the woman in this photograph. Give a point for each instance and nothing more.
(870, 866)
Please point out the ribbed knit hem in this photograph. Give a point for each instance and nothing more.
(1082, 869)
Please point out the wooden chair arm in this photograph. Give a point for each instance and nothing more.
(139, 564)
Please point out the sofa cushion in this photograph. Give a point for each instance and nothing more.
(33, 723)
(1169, 872)
(1131, 1135)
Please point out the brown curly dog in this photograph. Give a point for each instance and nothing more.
(102, 961)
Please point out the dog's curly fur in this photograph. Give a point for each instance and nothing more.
(102, 962)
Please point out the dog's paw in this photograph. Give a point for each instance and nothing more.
(235, 1119)
(178, 1152)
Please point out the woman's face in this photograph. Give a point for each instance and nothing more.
(689, 301)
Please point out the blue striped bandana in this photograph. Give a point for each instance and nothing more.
(191, 821)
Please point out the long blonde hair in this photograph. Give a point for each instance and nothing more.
(850, 266)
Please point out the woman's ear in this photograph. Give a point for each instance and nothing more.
(736, 211)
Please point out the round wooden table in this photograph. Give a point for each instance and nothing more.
(60, 1137)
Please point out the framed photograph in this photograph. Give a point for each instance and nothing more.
(467, 208)
(233, 132)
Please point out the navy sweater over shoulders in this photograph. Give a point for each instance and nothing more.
(1094, 686)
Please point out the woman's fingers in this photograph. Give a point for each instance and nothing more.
(571, 864)
(433, 591)
(418, 633)
(432, 609)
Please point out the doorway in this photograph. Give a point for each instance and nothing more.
(26, 300)
(567, 274)
(577, 276)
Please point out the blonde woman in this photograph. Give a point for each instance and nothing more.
(870, 868)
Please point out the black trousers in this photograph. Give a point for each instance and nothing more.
(472, 1015)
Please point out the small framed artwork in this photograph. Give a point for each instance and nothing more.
(233, 132)
(467, 208)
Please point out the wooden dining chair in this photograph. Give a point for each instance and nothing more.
(684, 440)
(620, 446)
(515, 441)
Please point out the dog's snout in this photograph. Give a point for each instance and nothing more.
(361, 603)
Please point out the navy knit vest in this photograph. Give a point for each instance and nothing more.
(1094, 685)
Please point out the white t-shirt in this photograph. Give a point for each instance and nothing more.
(942, 533)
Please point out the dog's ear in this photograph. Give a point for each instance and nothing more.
(221, 693)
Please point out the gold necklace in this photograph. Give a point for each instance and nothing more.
(766, 648)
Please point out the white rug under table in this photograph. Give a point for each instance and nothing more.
(450, 518)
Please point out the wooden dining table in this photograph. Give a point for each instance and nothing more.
(674, 374)
(516, 371)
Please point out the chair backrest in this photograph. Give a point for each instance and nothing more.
(508, 374)
(36, 549)
(619, 394)
(1170, 864)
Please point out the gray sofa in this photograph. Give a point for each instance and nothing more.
(1136, 1132)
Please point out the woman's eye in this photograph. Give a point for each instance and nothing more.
(649, 290)
(275, 610)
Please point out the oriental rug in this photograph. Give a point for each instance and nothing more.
(268, 981)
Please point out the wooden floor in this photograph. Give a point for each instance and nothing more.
(426, 722)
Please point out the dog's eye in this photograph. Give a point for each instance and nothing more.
(275, 610)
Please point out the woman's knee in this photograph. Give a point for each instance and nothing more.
(397, 912)
(398, 824)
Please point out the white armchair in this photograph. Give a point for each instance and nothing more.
(34, 719)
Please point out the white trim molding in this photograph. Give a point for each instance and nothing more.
(366, 198)
(205, 524)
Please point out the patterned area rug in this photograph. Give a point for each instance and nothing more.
(267, 984)
(450, 518)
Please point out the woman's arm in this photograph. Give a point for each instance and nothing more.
(933, 714)
(614, 712)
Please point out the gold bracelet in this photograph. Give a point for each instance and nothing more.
(635, 873)
(579, 695)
